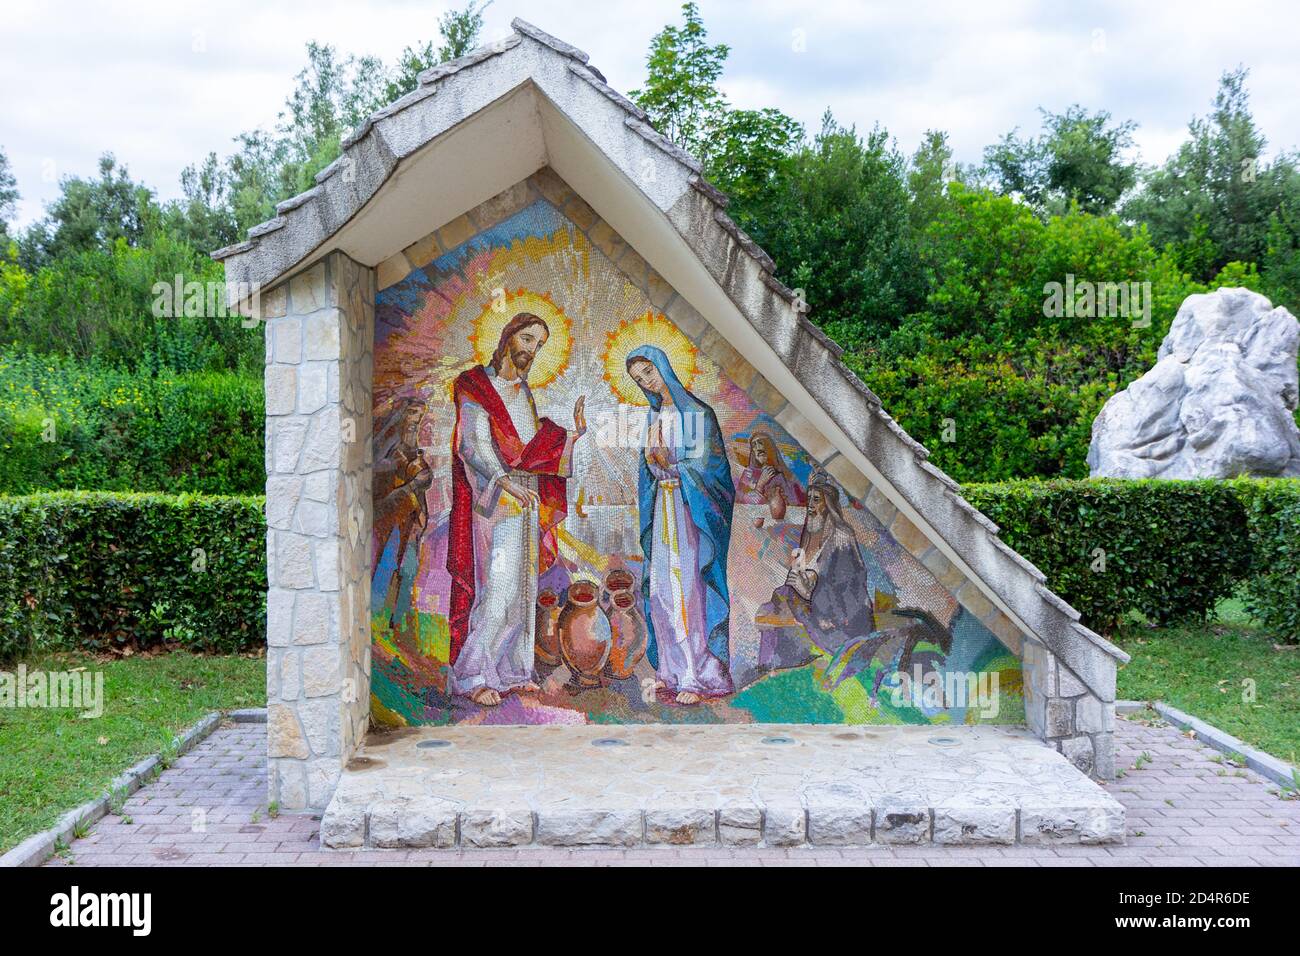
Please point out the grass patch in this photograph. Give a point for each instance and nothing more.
(1207, 671)
(53, 760)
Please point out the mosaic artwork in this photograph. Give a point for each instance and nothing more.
(579, 517)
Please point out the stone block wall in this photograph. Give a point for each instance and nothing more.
(1063, 712)
(319, 357)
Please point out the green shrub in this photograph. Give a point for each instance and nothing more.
(1272, 588)
(66, 424)
(1170, 550)
(1009, 419)
(97, 304)
(998, 385)
(97, 571)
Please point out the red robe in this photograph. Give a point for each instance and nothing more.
(543, 456)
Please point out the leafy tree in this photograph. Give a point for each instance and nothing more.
(839, 228)
(1020, 387)
(681, 92)
(459, 30)
(8, 198)
(928, 175)
(205, 217)
(83, 285)
(252, 179)
(743, 152)
(833, 213)
(1079, 157)
(1216, 200)
(749, 155)
(89, 214)
(96, 303)
(1281, 260)
(332, 95)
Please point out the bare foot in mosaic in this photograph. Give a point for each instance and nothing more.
(485, 697)
(687, 697)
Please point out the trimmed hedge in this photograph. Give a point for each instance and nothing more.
(1272, 588)
(1170, 550)
(101, 570)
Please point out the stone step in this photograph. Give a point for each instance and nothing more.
(730, 785)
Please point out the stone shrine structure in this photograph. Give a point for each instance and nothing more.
(514, 224)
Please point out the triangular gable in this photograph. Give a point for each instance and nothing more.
(531, 101)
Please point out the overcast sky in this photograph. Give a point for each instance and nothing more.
(160, 84)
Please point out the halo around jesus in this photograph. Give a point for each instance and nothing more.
(552, 359)
(649, 329)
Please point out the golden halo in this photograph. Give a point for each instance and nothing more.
(552, 359)
(650, 329)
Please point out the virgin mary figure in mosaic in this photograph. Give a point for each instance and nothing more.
(685, 498)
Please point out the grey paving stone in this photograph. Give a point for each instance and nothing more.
(294, 839)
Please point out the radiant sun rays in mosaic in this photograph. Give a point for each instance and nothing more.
(650, 329)
(553, 359)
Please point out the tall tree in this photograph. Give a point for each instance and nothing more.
(331, 96)
(1079, 157)
(928, 175)
(90, 214)
(1216, 200)
(459, 30)
(833, 213)
(8, 198)
(681, 92)
(749, 155)
(838, 227)
(204, 217)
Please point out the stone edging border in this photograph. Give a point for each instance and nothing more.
(39, 847)
(1264, 764)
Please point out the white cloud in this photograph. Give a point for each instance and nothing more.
(160, 84)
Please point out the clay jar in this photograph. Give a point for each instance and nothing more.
(628, 634)
(546, 642)
(584, 633)
(619, 580)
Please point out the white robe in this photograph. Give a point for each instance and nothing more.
(498, 650)
(677, 593)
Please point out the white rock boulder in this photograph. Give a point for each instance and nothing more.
(1218, 403)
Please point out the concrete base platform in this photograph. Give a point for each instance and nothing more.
(735, 785)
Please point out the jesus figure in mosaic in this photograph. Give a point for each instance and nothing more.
(508, 496)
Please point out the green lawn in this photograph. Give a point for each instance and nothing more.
(53, 760)
(1206, 671)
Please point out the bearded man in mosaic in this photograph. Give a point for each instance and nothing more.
(826, 601)
(508, 495)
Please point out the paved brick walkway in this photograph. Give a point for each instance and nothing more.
(1184, 809)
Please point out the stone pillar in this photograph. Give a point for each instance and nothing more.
(319, 364)
(1061, 710)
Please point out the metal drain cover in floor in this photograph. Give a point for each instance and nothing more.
(432, 744)
(609, 742)
(944, 741)
(778, 740)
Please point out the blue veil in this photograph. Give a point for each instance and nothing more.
(709, 495)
